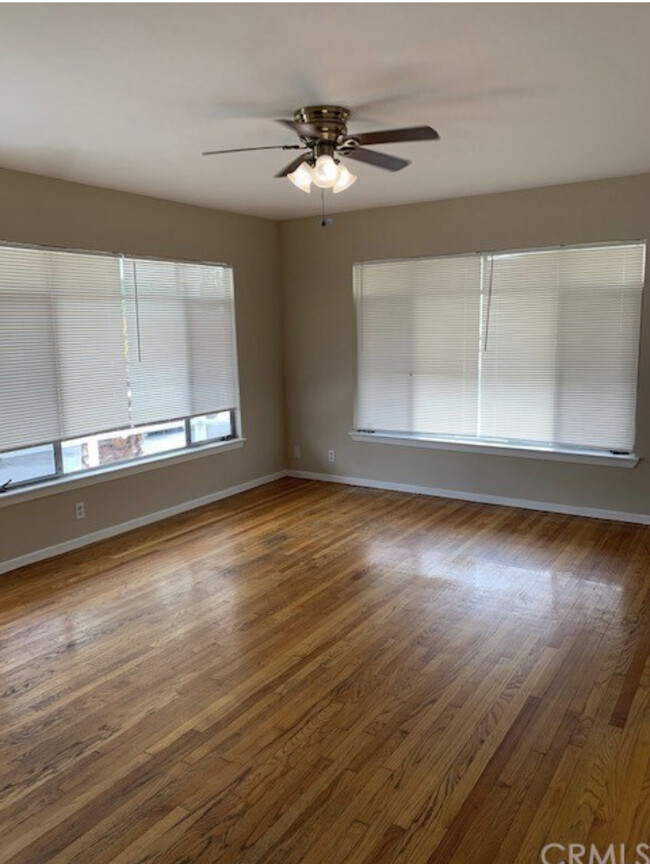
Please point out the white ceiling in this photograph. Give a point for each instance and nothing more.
(128, 95)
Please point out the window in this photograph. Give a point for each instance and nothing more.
(105, 359)
(538, 348)
(27, 465)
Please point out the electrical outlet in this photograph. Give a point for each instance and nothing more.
(331, 455)
(296, 451)
(80, 510)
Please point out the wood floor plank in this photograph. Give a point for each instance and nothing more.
(311, 673)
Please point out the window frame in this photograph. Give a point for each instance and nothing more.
(109, 473)
(34, 486)
(8, 486)
(509, 447)
(60, 474)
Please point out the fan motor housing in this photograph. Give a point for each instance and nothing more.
(329, 120)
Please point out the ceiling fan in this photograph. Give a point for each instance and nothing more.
(324, 139)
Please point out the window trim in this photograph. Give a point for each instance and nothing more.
(68, 482)
(559, 454)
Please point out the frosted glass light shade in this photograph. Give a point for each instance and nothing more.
(325, 173)
(301, 177)
(344, 181)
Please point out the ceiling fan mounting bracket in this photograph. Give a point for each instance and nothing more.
(329, 120)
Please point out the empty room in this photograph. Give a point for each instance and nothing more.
(324, 433)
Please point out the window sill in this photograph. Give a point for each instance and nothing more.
(114, 472)
(586, 457)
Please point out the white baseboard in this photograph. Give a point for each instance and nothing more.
(566, 509)
(123, 527)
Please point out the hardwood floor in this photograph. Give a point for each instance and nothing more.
(319, 674)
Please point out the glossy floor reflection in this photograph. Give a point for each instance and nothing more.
(318, 674)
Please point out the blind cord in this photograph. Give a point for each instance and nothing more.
(489, 303)
(137, 311)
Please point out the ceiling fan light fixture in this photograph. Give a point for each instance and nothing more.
(325, 172)
(323, 137)
(301, 177)
(344, 181)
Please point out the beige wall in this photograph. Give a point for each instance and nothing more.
(310, 324)
(320, 335)
(53, 212)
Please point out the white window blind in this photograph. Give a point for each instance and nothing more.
(534, 347)
(91, 343)
(181, 331)
(561, 358)
(418, 351)
(62, 364)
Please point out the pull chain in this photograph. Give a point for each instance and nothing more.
(325, 222)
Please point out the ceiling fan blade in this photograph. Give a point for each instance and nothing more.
(293, 165)
(379, 160)
(302, 129)
(244, 149)
(389, 136)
